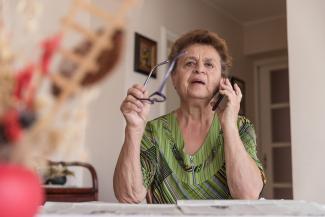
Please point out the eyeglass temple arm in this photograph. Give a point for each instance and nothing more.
(170, 69)
(152, 70)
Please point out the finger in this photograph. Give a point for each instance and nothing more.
(224, 83)
(238, 91)
(134, 100)
(137, 93)
(228, 93)
(227, 85)
(129, 107)
(140, 87)
(146, 94)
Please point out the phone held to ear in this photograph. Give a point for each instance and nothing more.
(221, 99)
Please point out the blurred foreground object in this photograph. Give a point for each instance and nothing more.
(42, 104)
(43, 101)
(21, 193)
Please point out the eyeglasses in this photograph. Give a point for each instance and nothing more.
(158, 96)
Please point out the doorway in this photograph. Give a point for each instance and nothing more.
(273, 129)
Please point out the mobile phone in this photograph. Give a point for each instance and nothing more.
(221, 99)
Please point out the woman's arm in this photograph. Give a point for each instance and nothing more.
(128, 180)
(243, 176)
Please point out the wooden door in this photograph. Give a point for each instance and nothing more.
(274, 128)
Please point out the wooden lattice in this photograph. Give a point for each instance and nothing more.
(86, 63)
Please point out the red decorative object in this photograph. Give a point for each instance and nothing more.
(12, 126)
(21, 193)
(23, 80)
(49, 47)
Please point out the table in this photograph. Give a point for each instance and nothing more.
(186, 209)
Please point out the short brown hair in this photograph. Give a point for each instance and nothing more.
(207, 38)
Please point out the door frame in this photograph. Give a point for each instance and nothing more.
(265, 63)
(257, 65)
(165, 35)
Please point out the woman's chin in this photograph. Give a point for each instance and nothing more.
(199, 96)
(197, 93)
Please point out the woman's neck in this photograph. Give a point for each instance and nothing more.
(198, 113)
(195, 121)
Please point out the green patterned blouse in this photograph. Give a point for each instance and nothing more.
(171, 175)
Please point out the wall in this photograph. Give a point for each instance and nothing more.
(262, 39)
(105, 131)
(306, 43)
(265, 35)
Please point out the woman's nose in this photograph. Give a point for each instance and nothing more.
(199, 68)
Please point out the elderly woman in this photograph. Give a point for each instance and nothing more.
(192, 152)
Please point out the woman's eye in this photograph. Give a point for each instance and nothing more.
(209, 65)
(190, 63)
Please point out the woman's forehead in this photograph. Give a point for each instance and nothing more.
(201, 51)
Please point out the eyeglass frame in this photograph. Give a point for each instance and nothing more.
(158, 96)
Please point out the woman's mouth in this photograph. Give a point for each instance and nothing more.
(201, 82)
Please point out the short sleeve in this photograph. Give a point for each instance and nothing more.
(248, 137)
(148, 156)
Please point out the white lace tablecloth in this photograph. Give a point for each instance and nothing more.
(186, 208)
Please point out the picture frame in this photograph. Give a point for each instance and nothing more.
(241, 84)
(145, 54)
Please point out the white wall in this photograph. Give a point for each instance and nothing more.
(265, 35)
(106, 124)
(306, 43)
(262, 40)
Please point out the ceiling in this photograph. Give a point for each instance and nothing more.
(246, 11)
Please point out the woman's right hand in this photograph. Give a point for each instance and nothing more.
(136, 111)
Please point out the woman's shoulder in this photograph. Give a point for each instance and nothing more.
(159, 126)
(160, 120)
(245, 127)
(243, 120)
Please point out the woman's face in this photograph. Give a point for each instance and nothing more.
(198, 73)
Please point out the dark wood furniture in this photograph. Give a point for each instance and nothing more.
(73, 194)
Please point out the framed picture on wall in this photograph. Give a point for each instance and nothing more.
(241, 85)
(145, 54)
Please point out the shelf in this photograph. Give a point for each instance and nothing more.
(280, 105)
(282, 185)
(280, 144)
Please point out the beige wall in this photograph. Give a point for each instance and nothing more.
(265, 36)
(306, 42)
(262, 40)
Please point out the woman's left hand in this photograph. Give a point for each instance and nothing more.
(229, 113)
